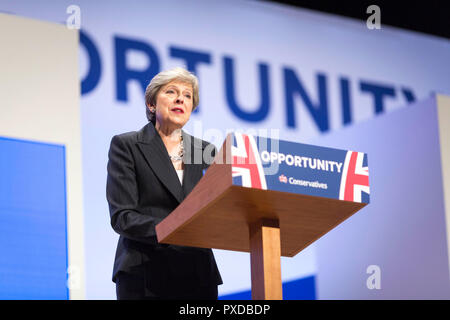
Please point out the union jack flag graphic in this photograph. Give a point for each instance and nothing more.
(246, 162)
(355, 177)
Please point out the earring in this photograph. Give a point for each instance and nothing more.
(152, 109)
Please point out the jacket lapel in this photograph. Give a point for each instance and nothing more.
(155, 153)
(193, 160)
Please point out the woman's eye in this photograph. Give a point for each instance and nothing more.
(188, 96)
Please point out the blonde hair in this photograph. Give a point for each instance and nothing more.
(165, 77)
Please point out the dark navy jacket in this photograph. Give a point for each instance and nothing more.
(142, 189)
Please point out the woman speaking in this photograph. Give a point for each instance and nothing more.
(150, 172)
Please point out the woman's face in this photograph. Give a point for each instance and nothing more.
(174, 104)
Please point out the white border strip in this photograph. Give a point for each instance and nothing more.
(443, 112)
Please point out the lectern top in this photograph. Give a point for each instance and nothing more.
(308, 189)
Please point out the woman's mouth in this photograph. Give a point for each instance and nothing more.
(177, 110)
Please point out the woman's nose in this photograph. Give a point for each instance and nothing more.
(179, 99)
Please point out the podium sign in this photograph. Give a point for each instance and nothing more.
(299, 168)
(271, 198)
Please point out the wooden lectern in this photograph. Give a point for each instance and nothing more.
(267, 223)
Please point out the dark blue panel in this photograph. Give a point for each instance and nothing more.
(33, 238)
(300, 289)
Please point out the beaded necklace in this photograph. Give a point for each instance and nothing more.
(179, 156)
